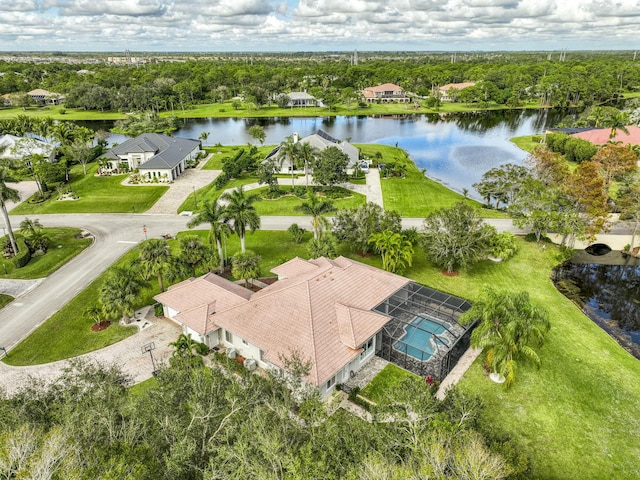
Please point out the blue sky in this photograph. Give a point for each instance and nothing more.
(318, 25)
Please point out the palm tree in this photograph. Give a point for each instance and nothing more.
(119, 292)
(307, 154)
(185, 346)
(289, 151)
(155, 255)
(32, 229)
(8, 194)
(509, 329)
(616, 122)
(242, 212)
(204, 136)
(396, 250)
(317, 207)
(245, 266)
(214, 214)
(194, 253)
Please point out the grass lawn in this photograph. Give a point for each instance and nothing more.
(63, 246)
(388, 378)
(97, 195)
(584, 401)
(287, 205)
(416, 195)
(211, 193)
(527, 142)
(5, 300)
(68, 332)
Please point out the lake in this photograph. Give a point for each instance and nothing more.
(455, 149)
(608, 290)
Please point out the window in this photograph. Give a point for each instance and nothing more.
(366, 348)
(331, 382)
(228, 336)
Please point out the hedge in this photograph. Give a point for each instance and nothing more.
(23, 256)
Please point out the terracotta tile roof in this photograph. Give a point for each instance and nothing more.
(385, 87)
(200, 318)
(600, 136)
(457, 86)
(324, 313)
(293, 268)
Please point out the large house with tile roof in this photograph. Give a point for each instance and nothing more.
(337, 314)
(322, 309)
(319, 140)
(387, 92)
(156, 156)
(448, 92)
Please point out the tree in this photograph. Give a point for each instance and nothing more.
(509, 330)
(8, 194)
(289, 151)
(617, 121)
(317, 207)
(296, 232)
(307, 154)
(533, 207)
(245, 266)
(185, 346)
(330, 167)
(586, 188)
(501, 183)
(204, 136)
(267, 174)
(614, 161)
(324, 246)
(257, 133)
(629, 202)
(396, 251)
(456, 237)
(119, 292)
(356, 225)
(242, 212)
(155, 255)
(33, 231)
(79, 152)
(193, 253)
(214, 214)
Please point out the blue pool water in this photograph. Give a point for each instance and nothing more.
(417, 339)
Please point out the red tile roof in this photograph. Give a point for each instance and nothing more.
(385, 87)
(457, 86)
(322, 309)
(600, 136)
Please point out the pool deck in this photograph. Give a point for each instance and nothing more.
(458, 371)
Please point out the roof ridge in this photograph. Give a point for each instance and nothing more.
(314, 359)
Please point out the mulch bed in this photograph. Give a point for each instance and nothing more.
(98, 327)
(365, 255)
(449, 274)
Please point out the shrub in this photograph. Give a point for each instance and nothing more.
(24, 254)
(503, 245)
(296, 232)
(201, 348)
(158, 311)
(299, 191)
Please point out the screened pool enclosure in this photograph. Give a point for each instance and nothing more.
(423, 334)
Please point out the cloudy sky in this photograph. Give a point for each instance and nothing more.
(318, 25)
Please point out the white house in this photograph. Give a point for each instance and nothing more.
(449, 91)
(322, 309)
(319, 140)
(301, 99)
(156, 156)
(19, 147)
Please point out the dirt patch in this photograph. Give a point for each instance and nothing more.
(449, 274)
(98, 327)
(365, 255)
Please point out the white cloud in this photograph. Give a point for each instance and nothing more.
(317, 24)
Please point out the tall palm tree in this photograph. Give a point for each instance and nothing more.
(307, 154)
(289, 151)
(242, 212)
(509, 329)
(215, 215)
(616, 122)
(8, 194)
(317, 207)
(155, 255)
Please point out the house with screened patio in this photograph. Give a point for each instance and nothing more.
(336, 313)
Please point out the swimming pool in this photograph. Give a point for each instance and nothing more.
(421, 337)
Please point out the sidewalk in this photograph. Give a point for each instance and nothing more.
(126, 353)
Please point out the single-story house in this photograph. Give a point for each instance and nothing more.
(448, 92)
(387, 92)
(301, 99)
(332, 313)
(319, 140)
(601, 136)
(19, 147)
(156, 156)
(45, 97)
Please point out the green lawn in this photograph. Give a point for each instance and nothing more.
(584, 401)
(287, 205)
(97, 195)
(389, 377)
(211, 193)
(68, 332)
(5, 300)
(415, 195)
(527, 142)
(63, 246)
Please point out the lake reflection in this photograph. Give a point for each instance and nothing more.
(610, 294)
(455, 149)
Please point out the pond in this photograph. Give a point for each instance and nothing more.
(455, 149)
(607, 288)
